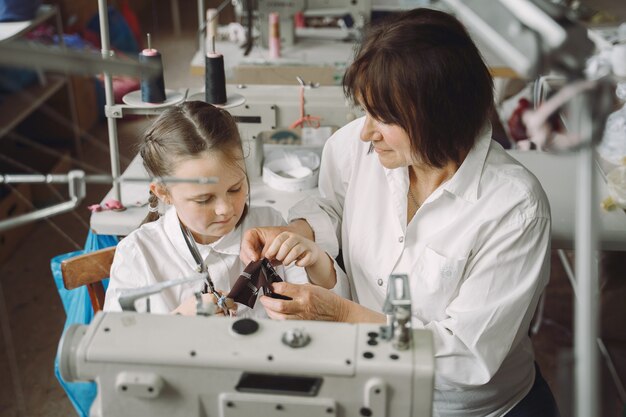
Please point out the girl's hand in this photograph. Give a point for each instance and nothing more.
(188, 307)
(256, 241)
(289, 247)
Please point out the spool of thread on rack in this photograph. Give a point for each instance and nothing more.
(274, 36)
(152, 87)
(215, 78)
(299, 20)
(211, 27)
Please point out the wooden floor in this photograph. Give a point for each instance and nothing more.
(32, 317)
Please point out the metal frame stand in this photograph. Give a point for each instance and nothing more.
(109, 98)
(586, 245)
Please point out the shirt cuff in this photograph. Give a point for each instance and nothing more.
(342, 286)
(318, 219)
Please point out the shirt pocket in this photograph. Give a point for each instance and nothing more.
(438, 280)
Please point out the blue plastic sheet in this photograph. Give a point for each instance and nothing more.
(78, 310)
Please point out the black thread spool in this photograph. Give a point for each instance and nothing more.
(152, 87)
(215, 79)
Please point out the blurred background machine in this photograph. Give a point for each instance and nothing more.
(292, 14)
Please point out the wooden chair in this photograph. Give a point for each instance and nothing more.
(89, 269)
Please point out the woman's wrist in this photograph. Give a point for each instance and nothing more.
(351, 312)
(343, 310)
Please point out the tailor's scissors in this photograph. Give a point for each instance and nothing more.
(201, 267)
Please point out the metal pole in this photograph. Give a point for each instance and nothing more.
(175, 17)
(586, 245)
(201, 33)
(70, 89)
(109, 98)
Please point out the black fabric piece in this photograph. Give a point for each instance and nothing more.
(257, 276)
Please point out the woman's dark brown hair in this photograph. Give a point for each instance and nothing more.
(421, 71)
(185, 132)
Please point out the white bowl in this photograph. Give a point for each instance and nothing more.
(295, 170)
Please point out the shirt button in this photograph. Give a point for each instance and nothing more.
(401, 239)
(380, 282)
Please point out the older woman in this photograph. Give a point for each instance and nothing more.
(417, 186)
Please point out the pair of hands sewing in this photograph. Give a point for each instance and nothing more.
(308, 302)
(280, 245)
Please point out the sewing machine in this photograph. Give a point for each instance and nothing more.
(268, 107)
(164, 365)
(359, 12)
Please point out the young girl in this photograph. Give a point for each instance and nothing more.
(195, 140)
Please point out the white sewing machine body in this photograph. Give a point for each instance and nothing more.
(166, 365)
(268, 107)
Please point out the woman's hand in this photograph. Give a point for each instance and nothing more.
(309, 302)
(188, 307)
(289, 247)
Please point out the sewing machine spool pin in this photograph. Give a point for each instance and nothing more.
(398, 309)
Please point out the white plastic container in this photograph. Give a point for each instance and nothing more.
(293, 170)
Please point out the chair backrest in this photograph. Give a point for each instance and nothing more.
(89, 269)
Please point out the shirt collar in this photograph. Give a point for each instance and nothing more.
(229, 244)
(171, 226)
(464, 183)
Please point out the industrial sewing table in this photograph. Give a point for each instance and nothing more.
(554, 172)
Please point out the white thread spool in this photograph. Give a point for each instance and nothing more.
(274, 35)
(618, 59)
(211, 27)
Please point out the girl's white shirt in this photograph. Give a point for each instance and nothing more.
(157, 252)
(477, 254)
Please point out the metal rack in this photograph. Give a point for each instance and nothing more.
(23, 103)
(115, 111)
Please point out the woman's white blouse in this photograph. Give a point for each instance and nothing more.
(157, 252)
(477, 254)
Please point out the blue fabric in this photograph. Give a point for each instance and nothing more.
(120, 34)
(13, 80)
(18, 10)
(78, 310)
(73, 41)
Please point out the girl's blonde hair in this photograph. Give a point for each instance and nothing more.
(184, 132)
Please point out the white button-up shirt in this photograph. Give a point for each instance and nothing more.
(157, 252)
(477, 254)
